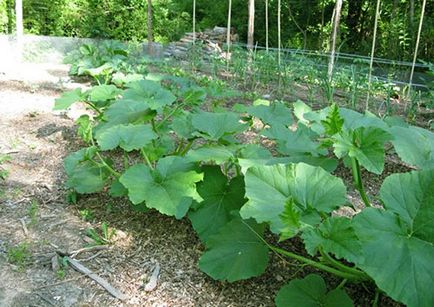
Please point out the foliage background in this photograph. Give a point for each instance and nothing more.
(305, 23)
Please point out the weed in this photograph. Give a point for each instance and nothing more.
(63, 265)
(33, 212)
(4, 173)
(104, 236)
(86, 215)
(19, 255)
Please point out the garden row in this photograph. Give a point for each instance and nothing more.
(157, 140)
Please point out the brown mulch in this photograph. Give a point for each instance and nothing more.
(37, 144)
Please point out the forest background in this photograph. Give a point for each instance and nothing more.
(306, 24)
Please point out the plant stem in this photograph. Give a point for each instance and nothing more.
(168, 116)
(341, 266)
(320, 266)
(377, 296)
(93, 107)
(110, 169)
(126, 162)
(186, 148)
(145, 156)
(355, 166)
(104, 164)
(343, 282)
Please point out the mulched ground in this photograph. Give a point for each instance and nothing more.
(34, 212)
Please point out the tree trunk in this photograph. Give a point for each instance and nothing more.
(10, 15)
(194, 22)
(228, 35)
(266, 25)
(150, 33)
(279, 39)
(251, 25)
(303, 32)
(19, 27)
(353, 19)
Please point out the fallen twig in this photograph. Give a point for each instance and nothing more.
(24, 226)
(45, 299)
(74, 254)
(91, 257)
(153, 281)
(76, 265)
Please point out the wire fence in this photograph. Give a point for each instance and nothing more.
(49, 49)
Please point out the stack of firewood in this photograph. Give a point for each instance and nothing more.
(211, 42)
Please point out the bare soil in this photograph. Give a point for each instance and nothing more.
(34, 213)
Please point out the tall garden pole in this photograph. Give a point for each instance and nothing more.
(228, 35)
(278, 33)
(266, 25)
(251, 25)
(19, 27)
(419, 31)
(337, 16)
(194, 22)
(371, 62)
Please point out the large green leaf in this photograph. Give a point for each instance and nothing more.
(411, 196)
(170, 188)
(217, 154)
(103, 93)
(73, 159)
(220, 197)
(354, 120)
(328, 164)
(128, 111)
(275, 113)
(67, 99)
(236, 252)
(149, 92)
(296, 142)
(87, 177)
(414, 145)
(120, 79)
(183, 126)
(128, 137)
(398, 244)
(366, 144)
(300, 109)
(311, 291)
(84, 175)
(335, 235)
(216, 125)
(268, 189)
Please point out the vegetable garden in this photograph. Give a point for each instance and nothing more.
(156, 139)
(276, 159)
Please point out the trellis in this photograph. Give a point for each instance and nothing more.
(371, 62)
(416, 48)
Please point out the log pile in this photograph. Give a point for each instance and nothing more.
(211, 42)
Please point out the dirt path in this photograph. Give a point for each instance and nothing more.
(36, 220)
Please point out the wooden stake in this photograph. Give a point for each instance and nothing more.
(337, 16)
(419, 31)
(371, 63)
(228, 35)
(194, 22)
(251, 25)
